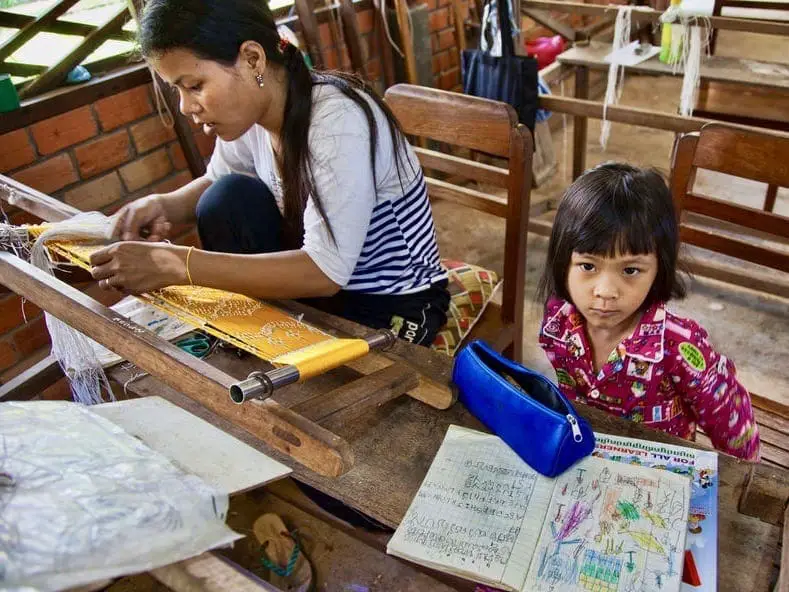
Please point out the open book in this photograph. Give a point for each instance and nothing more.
(483, 514)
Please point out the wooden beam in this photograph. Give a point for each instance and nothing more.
(65, 99)
(32, 381)
(16, 69)
(40, 23)
(753, 218)
(464, 196)
(57, 73)
(544, 18)
(304, 441)
(765, 495)
(460, 28)
(13, 20)
(34, 202)
(387, 55)
(462, 167)
(309, 29)
(755, 5)
(406, 41)
(653, 16)
(595, 28)
(353, 40)
(635, 116)
(580, 128)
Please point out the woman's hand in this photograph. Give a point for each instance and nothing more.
(136, 267)
(142, 219)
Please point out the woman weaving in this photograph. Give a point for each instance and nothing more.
(312, 190)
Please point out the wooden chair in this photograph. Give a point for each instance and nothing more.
(492, 128)
(757, 156)
(751, 155)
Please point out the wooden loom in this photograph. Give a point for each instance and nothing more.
(297, 433)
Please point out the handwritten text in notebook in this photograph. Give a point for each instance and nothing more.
(483, 514)
(471, 509)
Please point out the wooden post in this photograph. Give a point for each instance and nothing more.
(406, 40)
(579, 122)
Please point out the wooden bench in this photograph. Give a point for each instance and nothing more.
(751, 155)
(492, 128)
(746, 74)
(759, 107)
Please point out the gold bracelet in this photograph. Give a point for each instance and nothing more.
(189, 275)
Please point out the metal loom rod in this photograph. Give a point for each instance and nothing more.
(261, 385)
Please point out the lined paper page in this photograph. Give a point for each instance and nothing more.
(478, 512)
(612, 527)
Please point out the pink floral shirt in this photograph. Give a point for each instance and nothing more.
(666, 375)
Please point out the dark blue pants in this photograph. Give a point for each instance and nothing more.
(238, 214)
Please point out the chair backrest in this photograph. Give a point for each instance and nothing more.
(751, 155)
(485, 126)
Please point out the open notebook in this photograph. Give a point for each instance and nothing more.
(483, 514)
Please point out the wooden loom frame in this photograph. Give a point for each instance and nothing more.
(294, 432)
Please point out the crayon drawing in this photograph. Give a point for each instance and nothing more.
(612, 529)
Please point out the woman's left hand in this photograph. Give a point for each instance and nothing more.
(136, 267)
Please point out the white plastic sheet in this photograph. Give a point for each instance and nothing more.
(81, 500)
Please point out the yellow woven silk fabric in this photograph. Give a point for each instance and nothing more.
(251, 325)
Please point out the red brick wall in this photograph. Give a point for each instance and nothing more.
(446, 59)
(335, 56)
(96, 157)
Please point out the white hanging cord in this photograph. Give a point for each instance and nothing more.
(692, 77)
(613, 90)
(162, 108)
(385, 23)
(688, 40)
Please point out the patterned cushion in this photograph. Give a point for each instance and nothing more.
(471, 288)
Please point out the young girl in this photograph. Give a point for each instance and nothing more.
(611, 269)
(312, 190)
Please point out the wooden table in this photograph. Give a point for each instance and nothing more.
(394, 445)
(749, 73)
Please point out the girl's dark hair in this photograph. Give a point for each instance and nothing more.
(215, 30)
(615, 208)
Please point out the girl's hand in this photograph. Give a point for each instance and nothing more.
(142, 219)
(136, 267)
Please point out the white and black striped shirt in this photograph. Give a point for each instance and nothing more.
(383, 224)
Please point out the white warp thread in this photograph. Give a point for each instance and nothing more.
(692, 77)
(73, 350)
(70, 348)
(616, 72)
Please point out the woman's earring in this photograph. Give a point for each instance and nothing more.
(259, 80)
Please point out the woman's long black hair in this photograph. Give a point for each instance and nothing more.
(215, 30)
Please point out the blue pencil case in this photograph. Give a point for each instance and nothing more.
(523, 408)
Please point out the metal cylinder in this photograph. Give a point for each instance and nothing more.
(261, 385)
(381, 340)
